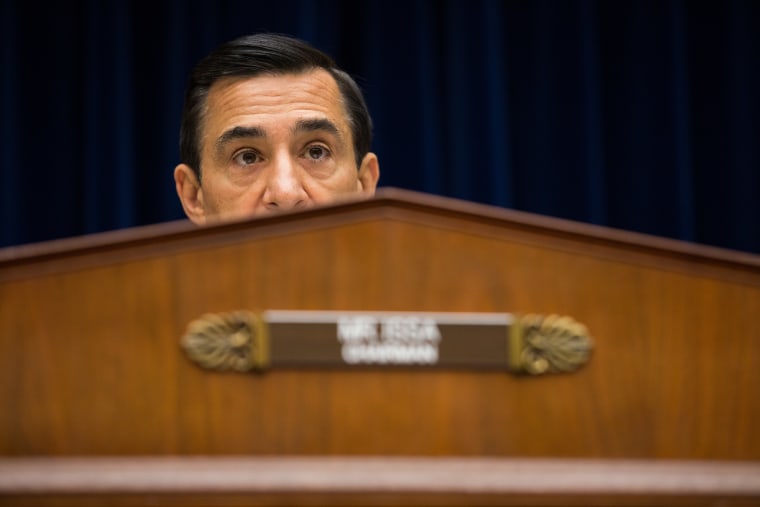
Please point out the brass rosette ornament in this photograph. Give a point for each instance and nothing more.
(233, 341)
(549, 344)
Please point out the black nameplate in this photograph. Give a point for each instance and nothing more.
(375, 338)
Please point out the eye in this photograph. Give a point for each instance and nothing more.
(246, 157)
(317, 152)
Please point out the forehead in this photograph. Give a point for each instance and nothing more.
(273, 101)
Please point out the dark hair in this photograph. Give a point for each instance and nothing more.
(259, 54)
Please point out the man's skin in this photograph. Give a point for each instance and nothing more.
(273, 143)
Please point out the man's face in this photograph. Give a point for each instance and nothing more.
(273, 143)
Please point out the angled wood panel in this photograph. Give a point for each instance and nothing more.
(89, 332)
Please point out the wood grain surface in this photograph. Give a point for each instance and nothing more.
(91, 363)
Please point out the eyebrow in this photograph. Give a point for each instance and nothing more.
(238, 133)
(317, 124)
(302, 126)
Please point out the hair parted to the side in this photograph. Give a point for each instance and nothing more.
(261, 54)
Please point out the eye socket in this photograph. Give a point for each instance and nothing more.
(246, 157)
(317, 152)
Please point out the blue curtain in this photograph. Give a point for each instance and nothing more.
(630, 114)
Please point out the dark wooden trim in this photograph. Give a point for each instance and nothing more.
(385, 198)
(571, 229)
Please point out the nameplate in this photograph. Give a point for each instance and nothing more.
(244, 341)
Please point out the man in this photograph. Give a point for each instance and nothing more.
(271, 124)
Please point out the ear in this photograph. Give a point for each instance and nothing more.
(369, 173)
(190, 193)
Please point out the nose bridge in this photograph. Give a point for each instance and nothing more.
(284, 188)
